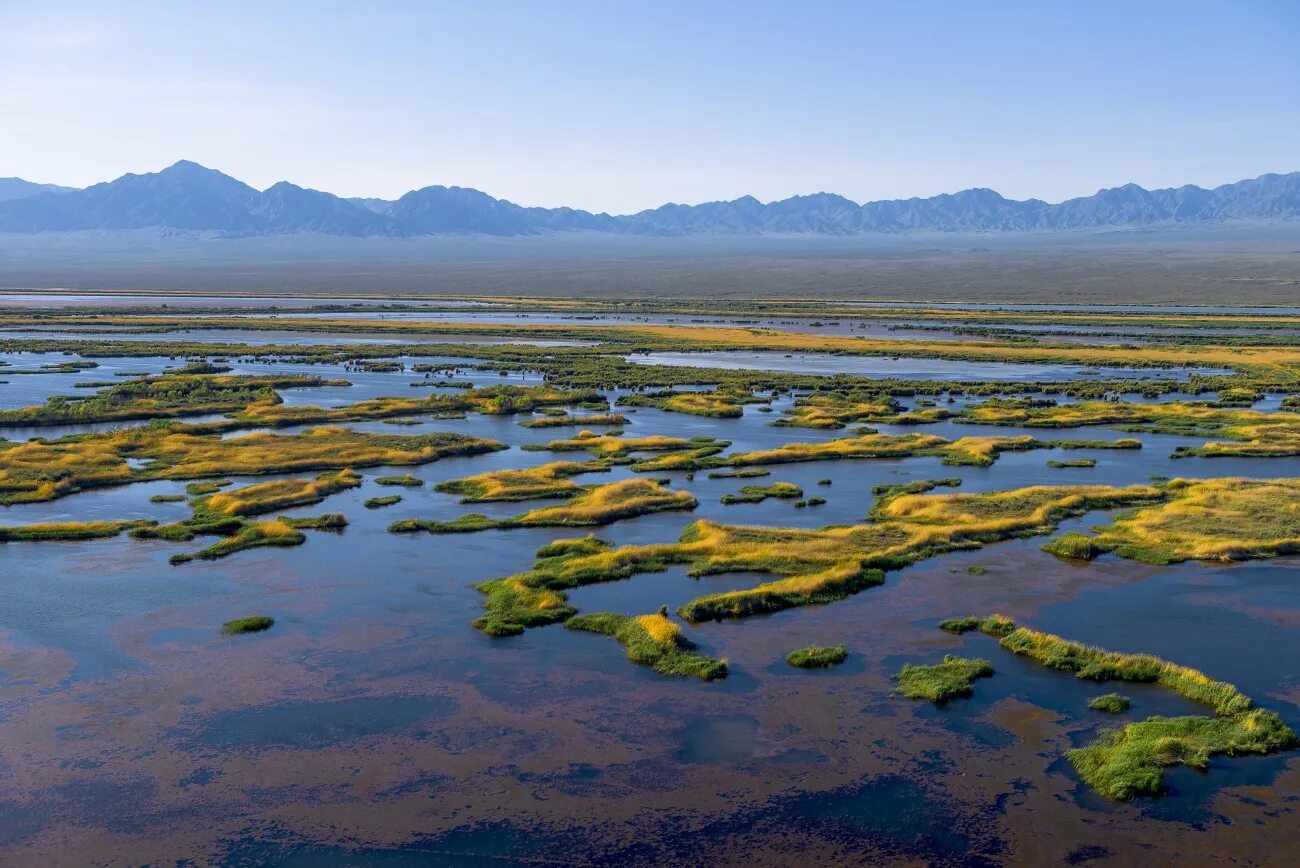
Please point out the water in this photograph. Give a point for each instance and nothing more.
(901, 368)
(373, 725)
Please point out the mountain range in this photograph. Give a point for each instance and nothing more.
(187, 197)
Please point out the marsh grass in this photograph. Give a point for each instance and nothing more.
(386, 500)
(653, 640)
(941, 682)
(406, 480)
(1110, 703)
(760, 493)
(248, 624)
(1129, 761)
(566, 420)
(817, 656)
(546, 480)
(40, 470)
(70, 530)
(594, 505)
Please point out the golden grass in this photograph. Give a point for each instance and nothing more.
(547, 480)
(1229, 519)
(595, 505)
(39, 470)
(281, 494)
(810, 566)
(1246, 433)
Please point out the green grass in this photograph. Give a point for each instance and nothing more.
(943, 681)
(760, 493)
(248, 624)
(386, 500)
(653, 640)
(739, 473)
(167, 498)
(1111, 703)
(1073, 546)
(407, 480)
(817, 656)
(1129, 761)
(1074, 462)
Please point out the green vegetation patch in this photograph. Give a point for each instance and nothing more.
(406, 480)
(1110, 703)
(1129, 761)
(760, 493)
(386, 500)
(596, 505)
(952, 678)
(817, 656)
(248, 624)
(653, 640)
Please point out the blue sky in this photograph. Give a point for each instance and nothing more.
(624, 105)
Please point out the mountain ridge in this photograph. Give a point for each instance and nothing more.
(188, 197)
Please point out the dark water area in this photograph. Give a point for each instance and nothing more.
(373, 726)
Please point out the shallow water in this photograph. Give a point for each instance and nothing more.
(372, 725)
(902, 368)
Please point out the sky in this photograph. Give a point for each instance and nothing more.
(624, 105)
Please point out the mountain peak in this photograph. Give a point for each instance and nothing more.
(188, 196)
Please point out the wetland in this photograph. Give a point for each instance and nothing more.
(414, 580)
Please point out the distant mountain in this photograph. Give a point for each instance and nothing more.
(17, 188)
(189, 197)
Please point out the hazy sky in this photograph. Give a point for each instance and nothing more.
(618, 105)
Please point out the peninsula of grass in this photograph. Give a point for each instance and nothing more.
(817, 657)
(406, 480)
(1110, 703)
(809, 566)
(280, 494)
(489, 400)
(1129, 761)
(1230, 519)
(653, 640)
(162, 397)
(380, 502)
(760, 493)
(69, 530)
(1243, 432)
(597, 505)
(40, 470)
(941, 682)
(248, 624)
